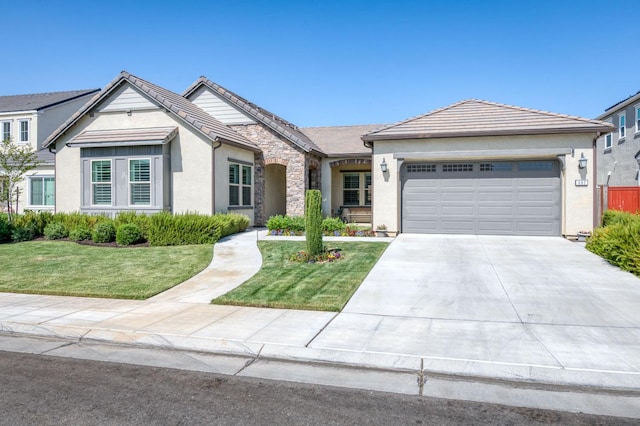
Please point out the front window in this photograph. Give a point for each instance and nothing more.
(24, 131)
(101, 182)
(356, 189)
(622, 122)
(6, 130)
(608, 141)
(240, 185)
(637, 119)
(42, 191)
(140, 182)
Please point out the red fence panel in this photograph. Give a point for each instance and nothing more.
(624, 198)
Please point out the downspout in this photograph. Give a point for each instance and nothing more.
(597, 213)
(55, 181)
(213, 174)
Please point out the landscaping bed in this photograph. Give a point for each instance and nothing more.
(618, 240)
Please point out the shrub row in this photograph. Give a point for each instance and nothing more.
(618, 240)
(331, 226)
(126, 229)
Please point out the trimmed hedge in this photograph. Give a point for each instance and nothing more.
(618, 241)
(128, 233)
(55, 231)
(313, 222)
(159, 228)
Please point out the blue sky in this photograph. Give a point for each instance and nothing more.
(326, 62)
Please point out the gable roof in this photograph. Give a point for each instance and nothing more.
(341, 141)
(180, 107)
(482, 118)
(38, 101)
(279, 125)
(619, 105)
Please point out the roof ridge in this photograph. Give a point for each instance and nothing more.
(340, 125)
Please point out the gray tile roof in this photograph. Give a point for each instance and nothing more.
(482, 118)
(341, 141)
(279, 125)
(38, 101)
(44, 156)
(188, 112)
(137, 136)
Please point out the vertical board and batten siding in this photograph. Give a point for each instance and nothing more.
(470, 201)
(624, 198)
(126, 98)
(218, 108)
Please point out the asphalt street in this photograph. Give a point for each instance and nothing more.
(48, 390)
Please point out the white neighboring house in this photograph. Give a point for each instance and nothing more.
(28, 120)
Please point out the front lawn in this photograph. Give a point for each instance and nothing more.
(313, 286)
(70, 269)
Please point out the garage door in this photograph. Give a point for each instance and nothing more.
(489, 198)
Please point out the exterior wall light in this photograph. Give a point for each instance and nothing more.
(383, 166)
(582, 162)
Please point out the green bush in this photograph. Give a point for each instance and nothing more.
(611, 217)
(80, 233)
(618, 242)
(23, 233)
(35, 221)
(55, 231)
(5, 228)
(166, 229)
(141, 220)
(332, 224)
(128, 233)
(75, 219)
(288, 223)
(231, 223)
(313, 222)
(104, 232)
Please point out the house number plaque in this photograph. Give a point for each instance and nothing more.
(583, 182)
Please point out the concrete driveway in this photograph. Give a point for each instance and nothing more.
(539, 301)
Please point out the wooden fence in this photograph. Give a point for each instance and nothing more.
(624, 198)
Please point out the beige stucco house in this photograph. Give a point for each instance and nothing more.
(478, 167)
(137, 146)
(28, 120)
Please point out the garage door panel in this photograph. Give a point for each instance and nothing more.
(520, 201)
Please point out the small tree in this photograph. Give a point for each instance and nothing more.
(15, 162)
(313, 221)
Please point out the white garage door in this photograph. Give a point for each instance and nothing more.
(489, 198)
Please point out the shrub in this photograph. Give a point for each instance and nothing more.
(619, 243)
(231, 223)
(141, 220)
(35, 221)
(23, 233)
(611, 217)
(313, 222)
(128, 233)
(290, 224)
(166, 229)
(55, 231)
(104, 232)
(80, 233)
(332, 224)
(5, 228)
(75, 219)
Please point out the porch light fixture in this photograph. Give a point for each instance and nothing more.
(383, 166)
(582, 162)
(638, 159)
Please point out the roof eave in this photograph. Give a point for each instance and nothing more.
(623, 104)
(405, 136)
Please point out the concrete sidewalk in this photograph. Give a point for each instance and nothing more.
(180, 327)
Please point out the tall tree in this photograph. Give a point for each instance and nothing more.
(15, 162)
(313, 221)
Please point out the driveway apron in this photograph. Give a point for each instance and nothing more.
(511, 300)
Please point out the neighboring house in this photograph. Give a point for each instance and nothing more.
(28, 120)
(478, 167)
(618, 151)
(137, 146)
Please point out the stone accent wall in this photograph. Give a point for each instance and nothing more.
(353, 161)
(278, 150)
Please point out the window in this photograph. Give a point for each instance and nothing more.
(608, 140)
(6, 130)
(356, 189)
(496, 167)
(622, 122)
(24, 131)
(140, 182)
(240, 184)
(101, 182)
(535, 165)
(638, 119)
(42, 191)
(457, 167)
(421, 168)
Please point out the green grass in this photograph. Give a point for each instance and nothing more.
(321, 287)
(70, 269)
